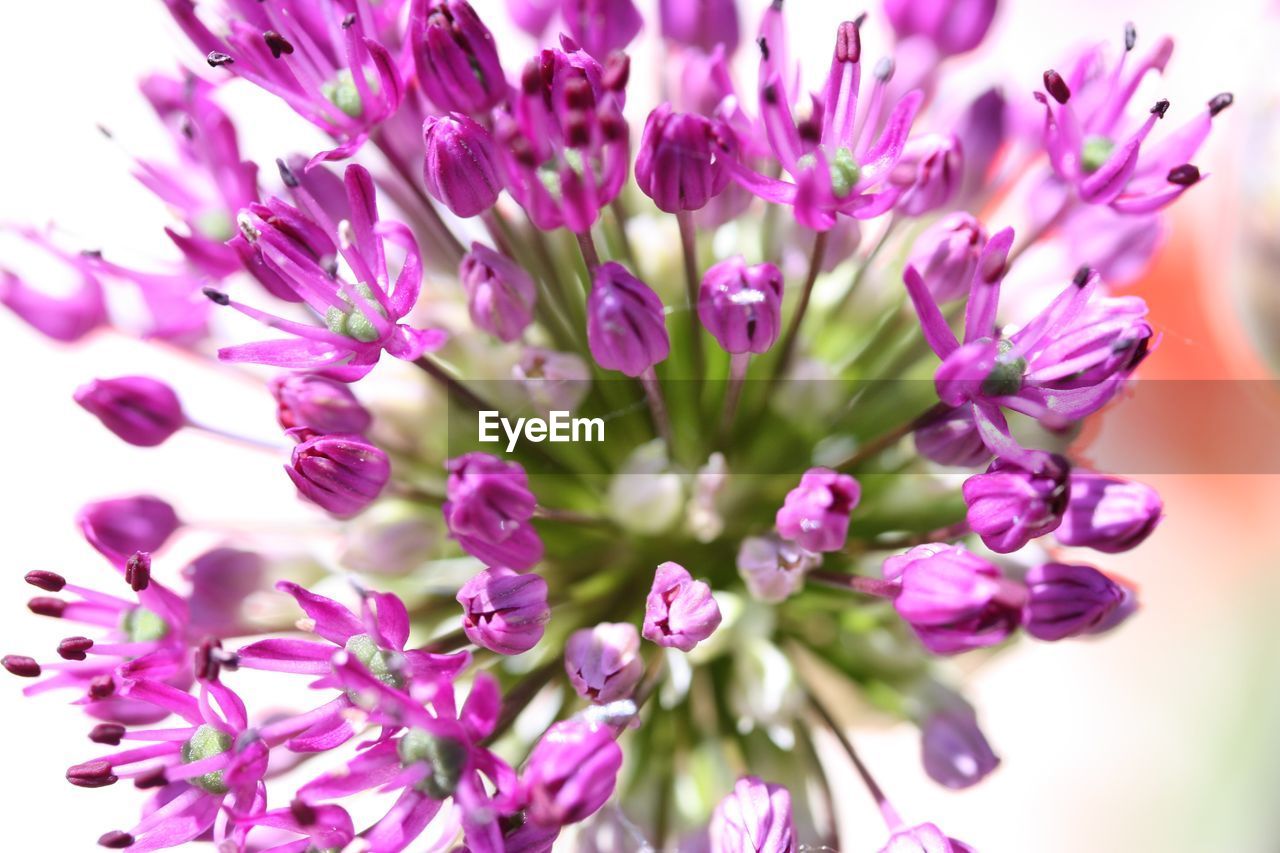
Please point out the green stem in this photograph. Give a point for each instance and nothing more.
(689, 245)
(793, 330)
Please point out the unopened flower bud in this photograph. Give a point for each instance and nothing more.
(928, 174)
(679, 612)
(455, 56)
(318, 405)
(1069, 600)
(504, 611)
(946, 255)
(570, 773)
(754, 818)
(342, 474)
(953, 748)
(554, 381)
(460, 169)
(741, 305)
(772, 568)
(488, 498)
(500, 294)
(601, 26)
(925, 838)
(951, 26)
(140, 410)
(1010, 505)
(703, 24)
(954, 600)
(120, 527)
(680, 164)
(1108, 514)
(816, 513)
(604, 662)
(626, 328)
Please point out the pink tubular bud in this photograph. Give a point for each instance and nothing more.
(504, 611)
(679, 612)
(603, 662)
(342, 474)
(570, 773)
(500, 294)
(460, 168)
(741, 305)
(140, 410)
(816, 513)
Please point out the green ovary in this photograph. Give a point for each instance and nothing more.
(844, 170)
(446, 757)
(141, 625)
(1096, 151)
(375, 659)
(206, 743)
(355, 323)
(343, 94)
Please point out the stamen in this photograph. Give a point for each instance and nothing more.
(349, 21)
(1161, 107)
(286, 174)
(116, 840)
(217, 58)
(278, 43)
(302, 813)
(102, 687)
(92, 774)
(1082, 277)
(1056, 86)
(48, 581)
(74, 648)
(44, 606)
(216, 296)
(155, 778)
(848, 43)
(884, 69)
(763, 44)
(109, 734)
(1220, 103)
(1184, 176)
(137, 572)
(617, 71)
(21, 666)
(1130, 36)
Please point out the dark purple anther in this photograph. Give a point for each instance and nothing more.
(74, 648)
(1056, 86)
(48, 581)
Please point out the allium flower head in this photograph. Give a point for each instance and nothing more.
(480, 632)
